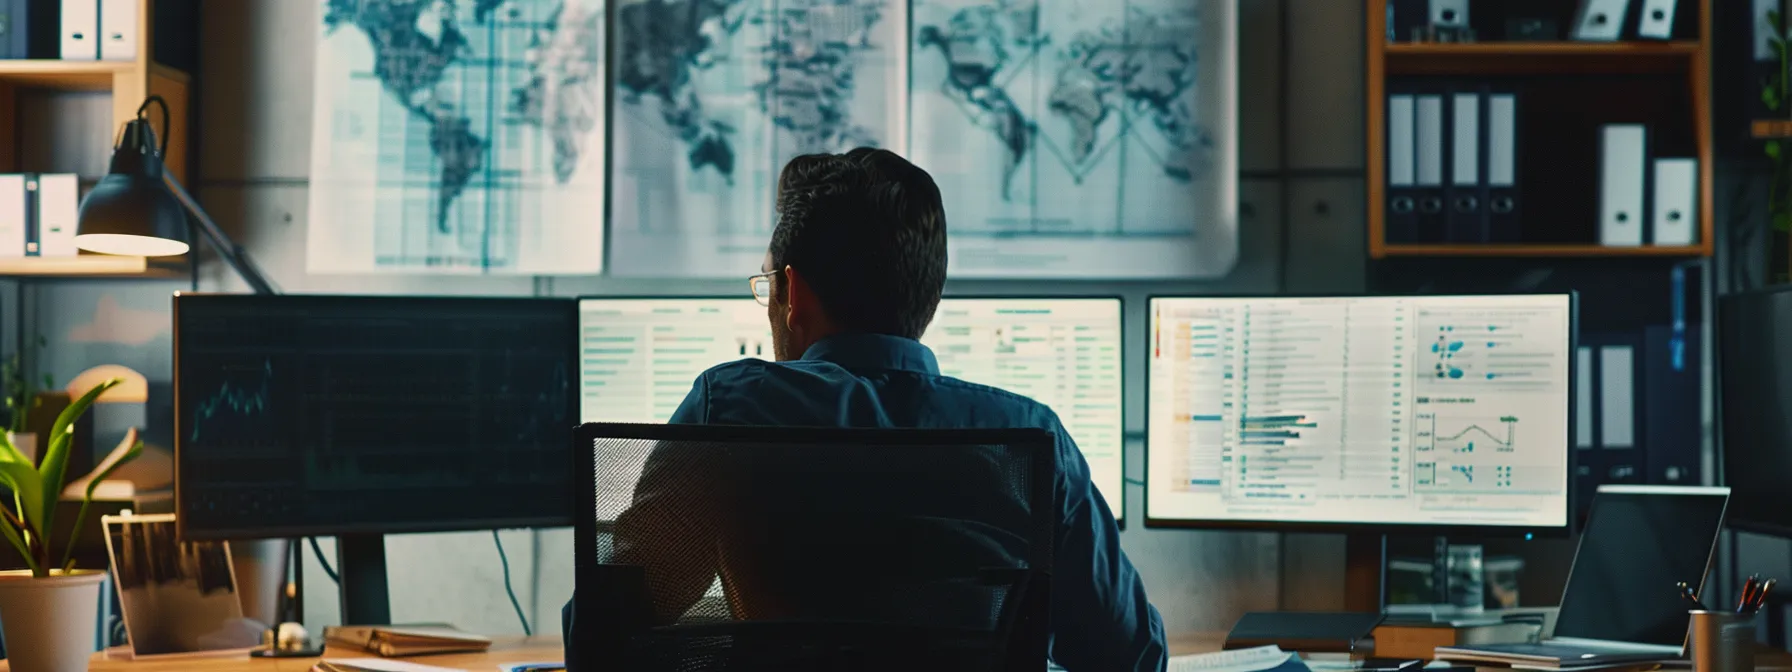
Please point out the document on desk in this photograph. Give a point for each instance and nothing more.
(1256, 659)
(375, 665)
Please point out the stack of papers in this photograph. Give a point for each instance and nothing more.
(406, 640)
(375, 665)
(1256, 659)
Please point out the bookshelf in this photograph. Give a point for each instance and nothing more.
(1665, 84)
(128, 82)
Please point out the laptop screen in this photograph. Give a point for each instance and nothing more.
(1638, 542)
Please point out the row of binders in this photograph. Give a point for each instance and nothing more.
(1453, 167)
(71, 30)
(1644, 203)
(1453, 159)
(38, 214)
(1593, 20)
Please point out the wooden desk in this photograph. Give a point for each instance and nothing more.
(504, 650)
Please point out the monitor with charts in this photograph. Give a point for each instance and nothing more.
(1411, 413)
(640, 356)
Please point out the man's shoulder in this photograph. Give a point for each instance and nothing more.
(997, 396)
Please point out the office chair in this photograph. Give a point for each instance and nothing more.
(836, 549)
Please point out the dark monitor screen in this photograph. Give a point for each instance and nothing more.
(304, 415)
(1755, 377)
(1639, 537)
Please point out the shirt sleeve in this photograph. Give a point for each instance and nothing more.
(664, 529)
(1101, 619)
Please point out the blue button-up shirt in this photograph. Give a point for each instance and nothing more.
(1100, 617)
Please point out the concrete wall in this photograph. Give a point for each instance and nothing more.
(1301, 194)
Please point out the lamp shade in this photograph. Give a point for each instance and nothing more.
(131, 211)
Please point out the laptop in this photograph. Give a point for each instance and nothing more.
(1620, 604)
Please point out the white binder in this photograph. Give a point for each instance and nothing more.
(1621, 152)
(1600, 20)
(1617, 396)
(1400, 138)
(13, 219)
(1676, 202)
(80, 30)
(1449, 13)
(118, 30)
(1656, 21)
(58, 208)
(1583, 397)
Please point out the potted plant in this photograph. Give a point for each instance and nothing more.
(21, 401)
(48, 611)
(1776, 95)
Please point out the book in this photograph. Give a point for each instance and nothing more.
(1421, 639)
(406, 640)
(375, 665)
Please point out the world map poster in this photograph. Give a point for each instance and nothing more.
(458, 137)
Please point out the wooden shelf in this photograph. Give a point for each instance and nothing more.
(90, 266)
(1770, 129)
(69, 75)
(1442, 58)
(1412, 250)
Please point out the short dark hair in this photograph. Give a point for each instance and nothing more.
(867, 230)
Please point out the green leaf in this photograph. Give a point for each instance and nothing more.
(18, 541)
(16, 473)
(1773, 18)
(54, 467)
(1772, 149)
(1782, 221)
(68, 554)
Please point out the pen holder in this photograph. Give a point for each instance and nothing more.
(1721, 641)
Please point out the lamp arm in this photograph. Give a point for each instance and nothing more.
(233, 254)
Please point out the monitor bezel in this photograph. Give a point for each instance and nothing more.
(1367, 527)
(186, 531)
(1125, 339)
(1745, 523)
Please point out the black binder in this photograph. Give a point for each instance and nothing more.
(1401, 213)
(1465, 157)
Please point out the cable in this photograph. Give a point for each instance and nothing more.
(507, 589)
(328, 571)
(1135, 481)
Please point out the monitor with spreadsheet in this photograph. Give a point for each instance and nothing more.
(640, 356)
(1335, 412)
(331, 415)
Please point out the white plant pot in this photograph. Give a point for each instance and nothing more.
(26, 442)
(49, 622)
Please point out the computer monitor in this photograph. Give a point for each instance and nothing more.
(1422, 413)
(357, 416)
(641, 354)
(1755, 381)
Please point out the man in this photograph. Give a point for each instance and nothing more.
(853, 275)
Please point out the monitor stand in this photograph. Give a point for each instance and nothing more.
(361, 575)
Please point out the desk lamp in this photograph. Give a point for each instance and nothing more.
(140, 210)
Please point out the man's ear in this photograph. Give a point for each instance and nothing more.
(798, 297)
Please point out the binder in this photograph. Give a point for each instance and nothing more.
(1656, 20)
(15, 26)
(58, 209)
(1600, 20)
(1449, 13)
(1466, 193)
(1503, 212)
(1428, 173)
(1408, 19)
(1583, 397)
(1617, 392)
(33, 235)
(118, 30)
(12, 216)
(1621, 175)
(80, 30)
(1402, 209)
(1676, 202)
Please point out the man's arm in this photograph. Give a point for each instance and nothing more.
(1100, 617)
(667, 529)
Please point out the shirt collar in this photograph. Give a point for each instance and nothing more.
(875, 351)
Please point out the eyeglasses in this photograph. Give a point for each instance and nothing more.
(762, 287)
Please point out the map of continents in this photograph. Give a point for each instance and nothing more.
(1087, 138)
(461, 136)
(714, 96)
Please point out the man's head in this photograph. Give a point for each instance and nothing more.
(860, 247)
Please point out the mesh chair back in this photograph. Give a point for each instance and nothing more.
(832, 548)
